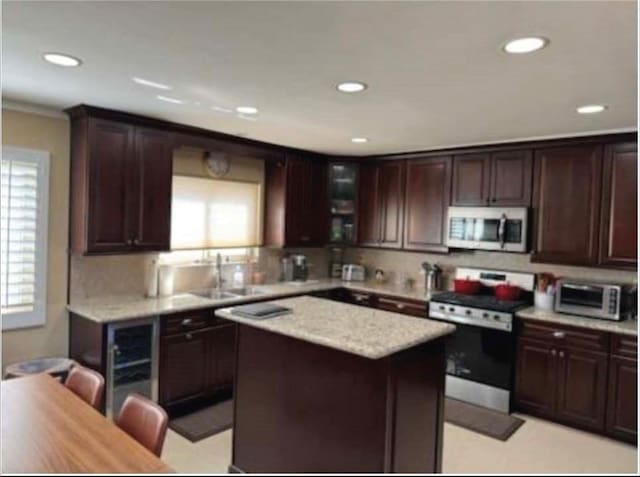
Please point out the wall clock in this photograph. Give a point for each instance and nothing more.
(217, 163)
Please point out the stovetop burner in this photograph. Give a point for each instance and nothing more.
(486, 302)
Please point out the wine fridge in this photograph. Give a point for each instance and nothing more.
(132, 361)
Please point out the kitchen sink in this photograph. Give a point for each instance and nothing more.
(214, 294)
(225, 294)
(246, 291)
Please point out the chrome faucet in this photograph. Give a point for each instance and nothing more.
(219, 272)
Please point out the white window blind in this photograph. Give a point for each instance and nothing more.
(208, 213)
(23, 236)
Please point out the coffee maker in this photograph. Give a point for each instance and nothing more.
(300, 268)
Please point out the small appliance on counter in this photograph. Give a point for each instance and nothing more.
(335, 263)
(481, 353)
(488, 228)
(432, 276)
(607, 301)
(300, 268)
(353, 273)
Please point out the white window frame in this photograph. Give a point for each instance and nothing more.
(37, 316)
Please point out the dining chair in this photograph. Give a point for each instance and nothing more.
(87, 384)
(145, 421)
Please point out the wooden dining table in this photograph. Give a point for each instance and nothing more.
(46, 428)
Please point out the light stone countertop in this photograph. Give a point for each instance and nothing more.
(124, 307)
(354, 329)
(627, 327)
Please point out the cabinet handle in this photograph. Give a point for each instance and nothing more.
(188, 336)
(493, 200)
(553, 352)
(136, 241)
(186, 322)
(129, 242)
(561, 354)
(400, 306)
(558, 334)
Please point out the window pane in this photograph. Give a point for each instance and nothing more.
(208, 213)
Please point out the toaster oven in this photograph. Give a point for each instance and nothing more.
(596, 300)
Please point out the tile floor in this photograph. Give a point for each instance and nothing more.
(537, 447)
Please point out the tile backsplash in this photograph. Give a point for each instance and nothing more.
(95, 276)
(399, 265)
(126, 274)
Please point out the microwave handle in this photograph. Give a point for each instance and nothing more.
(578, 287)
(501, 230)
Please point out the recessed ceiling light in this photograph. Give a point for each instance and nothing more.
(359, 140)
(152, 84)
(525, 45)
(220, 109)
(591, 108)
(61, 59)
(169, 100)
(247, 110)
(351, 87)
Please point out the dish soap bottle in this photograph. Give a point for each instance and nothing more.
(238, 277)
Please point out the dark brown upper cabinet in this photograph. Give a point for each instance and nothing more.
(566, 203)
(380, 204)
(120, 187)
(296, 210)
(619, 221)
(427, 197)
(500, 178)
(511, 181)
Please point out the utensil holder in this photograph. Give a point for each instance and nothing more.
(543, 301)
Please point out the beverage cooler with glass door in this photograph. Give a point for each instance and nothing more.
(132, 361)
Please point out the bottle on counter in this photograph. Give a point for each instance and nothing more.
(238, 277)
(152, 279)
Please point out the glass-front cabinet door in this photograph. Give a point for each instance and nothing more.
(343, 202)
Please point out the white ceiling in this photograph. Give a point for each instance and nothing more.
(436, 73)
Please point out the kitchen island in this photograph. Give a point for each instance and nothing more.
(334, 387)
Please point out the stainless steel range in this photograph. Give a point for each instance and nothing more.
(481, 353)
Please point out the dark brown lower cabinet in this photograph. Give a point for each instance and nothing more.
(196, 364)
(536, 377)
(582, 388)
(568, 375)
(622, 399)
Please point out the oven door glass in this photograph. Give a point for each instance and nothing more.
(481, 354)
(582, 295)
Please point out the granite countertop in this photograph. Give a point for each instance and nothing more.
(366, 332)
(124, 307)
(627, 327)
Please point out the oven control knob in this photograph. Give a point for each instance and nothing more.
(452, 309)
(485, 315)
(441, 307)
(468, 312)
(496, 317)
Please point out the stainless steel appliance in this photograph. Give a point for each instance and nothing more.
(300, 268)
(608, 301)
(488, 228)
(481, 352)
(132, 361)
(353, 273)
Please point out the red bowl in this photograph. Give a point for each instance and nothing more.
(507, 292)
(465, 286)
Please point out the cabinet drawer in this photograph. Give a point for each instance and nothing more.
(624, 345)
(569, 336)
(399, 305)
(185, 321)
(360, 298)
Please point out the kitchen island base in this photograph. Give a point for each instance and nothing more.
(302, 407)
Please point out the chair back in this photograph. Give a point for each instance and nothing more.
(87, 384)
(145, 421)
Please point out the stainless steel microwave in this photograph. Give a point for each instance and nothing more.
(597, 300)
(488, 228)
